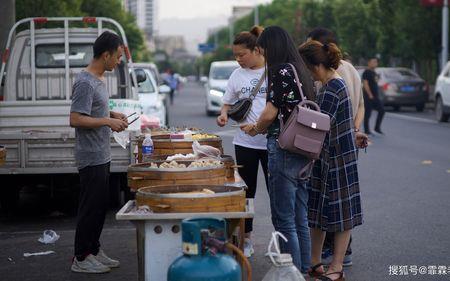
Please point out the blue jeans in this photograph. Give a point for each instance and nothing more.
(289, 203)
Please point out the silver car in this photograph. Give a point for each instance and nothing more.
(219, 74)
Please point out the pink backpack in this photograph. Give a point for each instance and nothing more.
(305, 130)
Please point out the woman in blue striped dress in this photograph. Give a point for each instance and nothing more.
(334, 202)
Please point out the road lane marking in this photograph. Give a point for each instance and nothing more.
(411, 118)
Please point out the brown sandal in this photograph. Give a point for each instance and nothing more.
(324, 277)
(312, 272)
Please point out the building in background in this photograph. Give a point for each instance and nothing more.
(145, 13)
(170, 43)
(240, 12)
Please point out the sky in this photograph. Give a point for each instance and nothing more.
(193, 18)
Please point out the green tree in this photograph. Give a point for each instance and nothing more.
(355, 28)
(46, 8)
(403, 32)
(112, 9)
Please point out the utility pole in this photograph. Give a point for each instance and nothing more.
(298, 25)
(256, 15)
(216, 39)
(444, 34)
(8, 16)
(231, 34)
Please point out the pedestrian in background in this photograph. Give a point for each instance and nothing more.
(334, 202)
(249, 150)
(93, 122)
(353, 82)
(287, 189)
(172, 81)
(371, 98)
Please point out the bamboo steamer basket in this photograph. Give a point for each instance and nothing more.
(181, 199)
(228, 161)
(142, 175)
(2, 155)
(168, 147)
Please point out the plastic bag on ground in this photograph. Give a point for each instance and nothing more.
(202, 151)
(49, 237)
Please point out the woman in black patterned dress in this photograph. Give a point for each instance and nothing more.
(287, 191)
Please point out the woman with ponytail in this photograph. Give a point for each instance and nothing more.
(334, 198)
(249, 150)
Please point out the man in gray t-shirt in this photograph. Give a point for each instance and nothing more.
(93, 122)
(90, 98)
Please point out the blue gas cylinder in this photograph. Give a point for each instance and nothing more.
(204, 259)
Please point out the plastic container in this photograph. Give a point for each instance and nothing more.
(147, 148)
(282, 267)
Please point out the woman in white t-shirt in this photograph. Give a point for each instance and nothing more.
(250, 151)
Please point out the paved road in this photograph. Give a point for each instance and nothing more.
(405, 182)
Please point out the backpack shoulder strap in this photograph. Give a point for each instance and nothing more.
(299, 85)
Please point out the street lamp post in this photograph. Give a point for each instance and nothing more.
(444, 34)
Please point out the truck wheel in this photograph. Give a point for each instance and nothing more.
(9, 200)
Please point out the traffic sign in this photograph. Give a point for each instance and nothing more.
(207, 47)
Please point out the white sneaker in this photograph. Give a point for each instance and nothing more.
(104, 259)
(248, 248)
(89, 265)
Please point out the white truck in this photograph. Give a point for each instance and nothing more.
(37, 73)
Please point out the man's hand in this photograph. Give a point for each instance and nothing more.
(118, 115)
(249, 129)
(222, 120)
(361, 140)
(117, 125)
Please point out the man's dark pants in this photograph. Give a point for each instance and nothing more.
(369, 105)
(93, 204)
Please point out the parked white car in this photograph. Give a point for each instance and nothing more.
(151, 96)
(219, 73)
(150, 66)
(442, 95)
